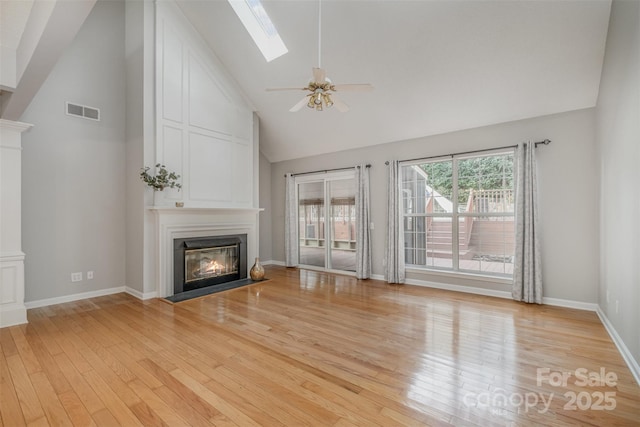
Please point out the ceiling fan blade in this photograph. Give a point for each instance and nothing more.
(319, 75)
(340, 106)
(274, 89)
(361, 87)
(300, 104)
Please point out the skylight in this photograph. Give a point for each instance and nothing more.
(259, 25)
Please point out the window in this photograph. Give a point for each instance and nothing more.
(459, 213)
(259, 25)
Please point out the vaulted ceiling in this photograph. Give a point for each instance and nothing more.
(437, 66)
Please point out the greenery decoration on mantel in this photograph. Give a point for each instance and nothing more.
(162, 179)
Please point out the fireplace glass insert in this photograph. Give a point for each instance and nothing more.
(208, 261)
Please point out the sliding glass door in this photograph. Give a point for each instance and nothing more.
(326, 221)
(311, 209)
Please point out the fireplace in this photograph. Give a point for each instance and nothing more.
(208, 261)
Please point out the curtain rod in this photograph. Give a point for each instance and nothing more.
(327, 170)
(544, 142)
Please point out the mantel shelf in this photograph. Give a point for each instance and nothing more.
(173, 209)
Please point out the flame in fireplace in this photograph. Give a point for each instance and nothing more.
(212, 267)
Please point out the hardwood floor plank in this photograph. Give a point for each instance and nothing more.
(69, 349)
(29, 359)
(228, 411)
(49, 334)
(81, 388)
(189, 397)
(176, 402)
(29, 402)
(10, 411)
(53, 409)
(112, 401)
(40, 422)
(243, 401)
(265, 395)
(49, 365)
(76, 410)
(104, 417)
(164, 412)
(6, 342)
(310, 348)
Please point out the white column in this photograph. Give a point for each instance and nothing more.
(12, 309)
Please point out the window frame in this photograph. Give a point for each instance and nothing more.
(455, 216)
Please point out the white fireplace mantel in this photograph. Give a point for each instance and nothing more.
(177, 223)
(204, 210)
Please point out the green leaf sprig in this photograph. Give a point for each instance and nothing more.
(163, 178)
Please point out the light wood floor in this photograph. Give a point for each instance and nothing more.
(308, 348)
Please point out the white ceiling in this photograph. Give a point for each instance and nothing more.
(437, 66)
(13, 18)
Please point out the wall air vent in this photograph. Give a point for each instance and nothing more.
(83, 111)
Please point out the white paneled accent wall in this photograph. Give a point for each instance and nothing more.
(204, 124)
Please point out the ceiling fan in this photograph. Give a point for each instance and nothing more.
(321, 90)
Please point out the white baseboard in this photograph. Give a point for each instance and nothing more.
(14, 315)
(140, 295)
(558, 302)
(460, 288)
(631, 362)
(74, 297)
(579, 305)
(272, 262)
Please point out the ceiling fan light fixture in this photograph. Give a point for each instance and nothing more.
(320, 87)
(327, 100)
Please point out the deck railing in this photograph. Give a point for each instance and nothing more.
(491, 201)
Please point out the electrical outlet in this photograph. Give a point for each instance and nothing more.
(89, 275)
(76, 277)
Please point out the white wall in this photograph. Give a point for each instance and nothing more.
(618, 140)
(567, 183)
(73, 169)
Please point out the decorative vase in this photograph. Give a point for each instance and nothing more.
(257, 271)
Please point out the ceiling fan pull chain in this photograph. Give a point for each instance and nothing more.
(319, 33)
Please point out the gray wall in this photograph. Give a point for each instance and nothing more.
(73, 169)
(265, 203)
(618, 140)
(568, 186)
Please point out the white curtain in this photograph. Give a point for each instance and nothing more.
(363, 232)
(394, 253)
(290, 223)
(527, 275)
